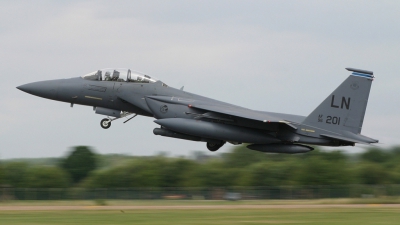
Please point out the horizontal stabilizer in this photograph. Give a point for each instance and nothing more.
(355, 138)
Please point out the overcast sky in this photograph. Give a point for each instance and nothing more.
(278, 56)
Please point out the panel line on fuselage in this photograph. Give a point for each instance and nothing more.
(91, 97)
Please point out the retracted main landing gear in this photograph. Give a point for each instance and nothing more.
(212, 146)
(106, 122)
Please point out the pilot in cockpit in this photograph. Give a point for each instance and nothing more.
(99, 77)
(115, 75)
(107, 76)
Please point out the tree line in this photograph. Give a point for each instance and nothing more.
(239, 167)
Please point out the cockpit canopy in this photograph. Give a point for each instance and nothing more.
(119, 75)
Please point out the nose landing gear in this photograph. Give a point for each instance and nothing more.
(106, 122)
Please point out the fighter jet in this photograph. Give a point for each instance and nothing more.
(122, 93)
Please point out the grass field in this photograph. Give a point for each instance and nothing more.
(322, 211)
(381, 200)
(325, 216)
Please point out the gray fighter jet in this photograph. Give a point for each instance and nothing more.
(122, 93)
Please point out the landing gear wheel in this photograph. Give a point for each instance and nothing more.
(213, 146)
(105, 123)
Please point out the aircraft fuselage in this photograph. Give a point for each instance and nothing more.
(336, 122)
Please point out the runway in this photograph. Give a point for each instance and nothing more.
(188, 207)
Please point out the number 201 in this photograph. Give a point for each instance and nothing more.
(333, 120)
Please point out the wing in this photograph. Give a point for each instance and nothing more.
(227, 112)
(240, 112)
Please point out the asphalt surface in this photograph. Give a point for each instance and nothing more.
(174, 207)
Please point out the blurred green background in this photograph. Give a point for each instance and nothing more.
(83, 174)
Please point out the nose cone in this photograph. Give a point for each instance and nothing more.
(44, 89)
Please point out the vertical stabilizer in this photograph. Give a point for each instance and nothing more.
(344, 109)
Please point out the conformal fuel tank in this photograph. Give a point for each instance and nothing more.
(217, 131)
